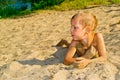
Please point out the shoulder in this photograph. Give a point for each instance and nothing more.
(98, 36)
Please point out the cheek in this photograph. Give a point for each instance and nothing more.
(75, 32)
(80, 34)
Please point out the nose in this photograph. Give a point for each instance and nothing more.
(71, 31)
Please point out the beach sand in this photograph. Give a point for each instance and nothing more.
(28, 52)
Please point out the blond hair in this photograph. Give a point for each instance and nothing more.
(86, 19)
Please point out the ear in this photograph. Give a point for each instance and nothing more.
(88, 28)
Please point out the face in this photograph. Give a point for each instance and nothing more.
(77, 30)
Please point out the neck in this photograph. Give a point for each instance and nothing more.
(88, 39)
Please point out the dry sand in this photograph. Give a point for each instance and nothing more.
(27, 49)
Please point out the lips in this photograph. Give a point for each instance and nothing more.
(72, 35)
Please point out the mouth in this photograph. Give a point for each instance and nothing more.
(72, 35)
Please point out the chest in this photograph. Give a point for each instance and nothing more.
(81, 50)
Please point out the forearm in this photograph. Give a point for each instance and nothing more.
(69, 57)
(99, 59)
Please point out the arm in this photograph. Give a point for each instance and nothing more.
(82, 61)
(101, 49)
(70, 53)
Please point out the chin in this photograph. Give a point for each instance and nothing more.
(75, 38)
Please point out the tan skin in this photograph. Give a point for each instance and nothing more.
(87, 37)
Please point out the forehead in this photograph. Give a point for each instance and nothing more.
(77, 21)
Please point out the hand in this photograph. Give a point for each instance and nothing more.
(82, 62)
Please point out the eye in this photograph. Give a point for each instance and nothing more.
(75, 27)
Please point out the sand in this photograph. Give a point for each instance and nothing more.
(28, 52)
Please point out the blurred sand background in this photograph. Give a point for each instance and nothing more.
(28, 52)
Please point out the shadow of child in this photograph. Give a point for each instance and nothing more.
(55, 58)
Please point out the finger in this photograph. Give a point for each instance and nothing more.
(78, 62)
(80, 58)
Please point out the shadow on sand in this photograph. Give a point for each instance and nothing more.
(56, 58)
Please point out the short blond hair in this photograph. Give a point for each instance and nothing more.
(85, 19)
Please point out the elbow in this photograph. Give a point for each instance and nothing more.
(68, 61)
(104, 58)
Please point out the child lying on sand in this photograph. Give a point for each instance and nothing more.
(86, 43)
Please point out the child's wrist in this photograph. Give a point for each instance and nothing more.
(90, 60)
